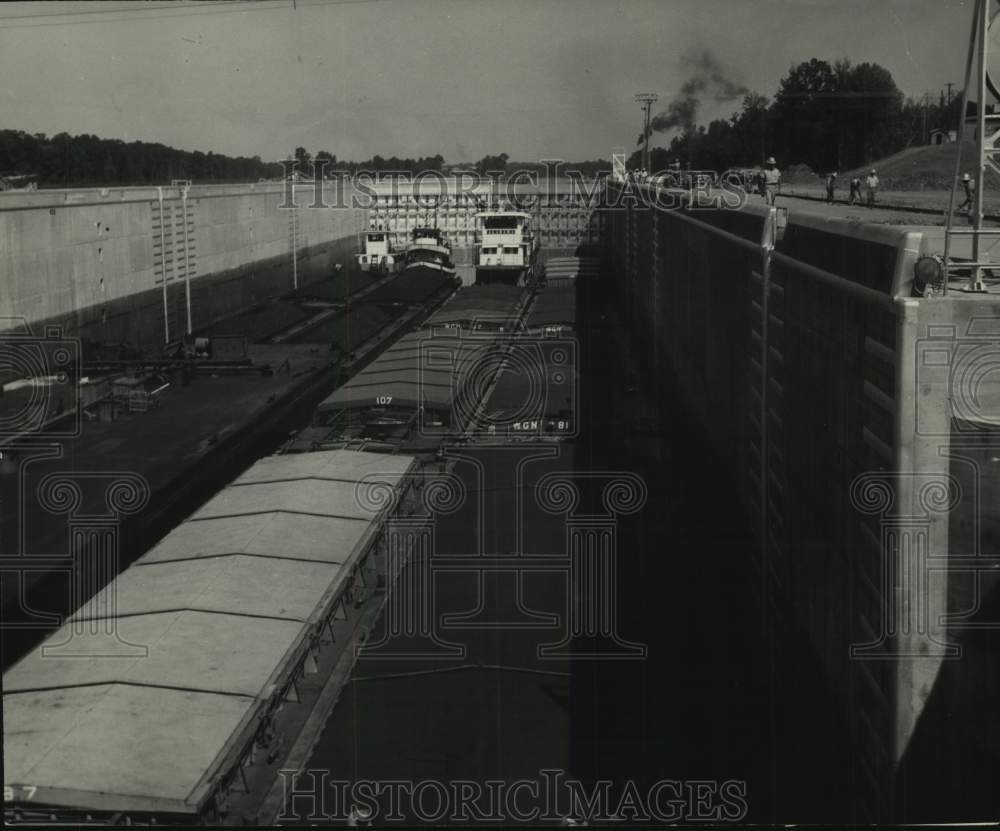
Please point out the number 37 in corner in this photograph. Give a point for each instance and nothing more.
(15, 793)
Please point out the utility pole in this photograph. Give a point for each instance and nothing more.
(647, 99)
(294, 231)
(923, 131)
(987, 134)
(984, 144)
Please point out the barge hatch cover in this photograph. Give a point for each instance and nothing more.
(190, 646)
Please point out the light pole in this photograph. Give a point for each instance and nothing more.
(983, 144)
(647, 99)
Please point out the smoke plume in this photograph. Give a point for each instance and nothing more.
(707, 78)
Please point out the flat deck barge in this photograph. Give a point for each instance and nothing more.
(187, 441)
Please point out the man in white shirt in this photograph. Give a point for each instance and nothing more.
(871, 183)
(771, 179)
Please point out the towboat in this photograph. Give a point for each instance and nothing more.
(429, 249)
(378, 255)
(507, 248)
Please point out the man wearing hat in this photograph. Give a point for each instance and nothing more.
(970, 191)
(871, 184)
(675, 173)
(771, 180)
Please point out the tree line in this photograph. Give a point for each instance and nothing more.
(489, 164)
(64, 160)
(85, 160)
(376, 164)
(828, 116)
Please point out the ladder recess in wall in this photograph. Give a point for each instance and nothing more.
(174, 260)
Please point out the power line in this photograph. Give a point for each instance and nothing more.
(146, 7)
(191, 12)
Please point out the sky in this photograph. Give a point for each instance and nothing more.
(536, 79)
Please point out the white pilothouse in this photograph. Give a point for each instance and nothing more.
(378, 254)
(507, 248)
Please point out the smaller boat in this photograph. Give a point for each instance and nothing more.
(378, 255)
(429, 249)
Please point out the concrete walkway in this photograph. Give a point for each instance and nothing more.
(925, 207)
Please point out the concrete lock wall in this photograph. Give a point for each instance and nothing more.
(804, 359)
(93, 261)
